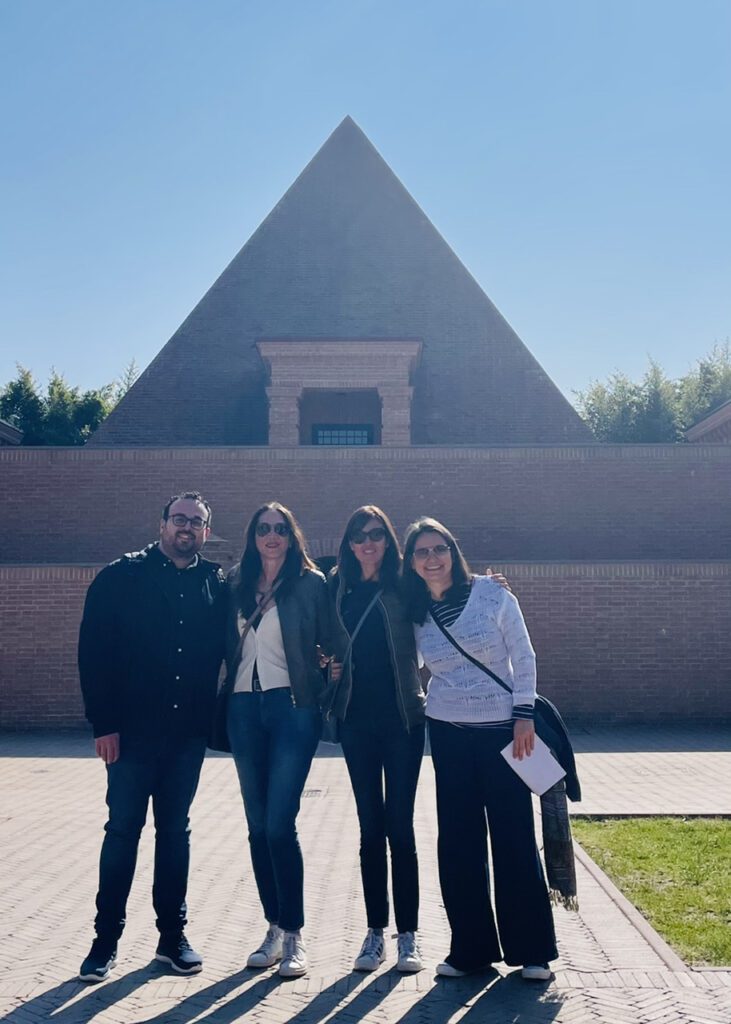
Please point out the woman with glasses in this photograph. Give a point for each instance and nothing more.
(380, 704)
(471, 719)
(279, 616)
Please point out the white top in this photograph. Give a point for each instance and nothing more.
(263, 645)
(491, 628)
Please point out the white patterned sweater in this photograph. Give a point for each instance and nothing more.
(492, 629)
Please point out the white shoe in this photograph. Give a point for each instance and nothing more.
(294, 956)
(372, 952)
(447, 971)
(537, 972)
(409, 954)
(270, 950)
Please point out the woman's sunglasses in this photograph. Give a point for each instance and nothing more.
(281, 529)
(361, 536)
(421, 554)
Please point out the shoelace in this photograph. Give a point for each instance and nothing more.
(269, 940)
(372, 944)
(406, 944)
(291, 947)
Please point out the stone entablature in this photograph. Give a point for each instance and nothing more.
(296, 366)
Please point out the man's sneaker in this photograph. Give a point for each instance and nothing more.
(270, 950)
(409, 954)
(372, 952)
(294, 957)
(447, 971)
(176, 950)
(102, 957)
(536, 972)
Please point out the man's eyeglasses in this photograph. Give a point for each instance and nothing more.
(361, 536)
(421, 554)
(196, 522)
(281, 529)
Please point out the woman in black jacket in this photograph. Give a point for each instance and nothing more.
(380, 704)
(279, 616)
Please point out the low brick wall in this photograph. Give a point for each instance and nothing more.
(631, 641)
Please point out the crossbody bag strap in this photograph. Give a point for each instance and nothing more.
(360, 622)
(349, 647)
(463, 652)
(248, 626)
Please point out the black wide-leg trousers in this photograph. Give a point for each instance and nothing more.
(478, 794)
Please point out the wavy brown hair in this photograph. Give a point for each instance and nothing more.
(296, 562)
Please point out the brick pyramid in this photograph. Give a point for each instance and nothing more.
(345, 254)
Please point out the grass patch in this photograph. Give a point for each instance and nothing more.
(676, 871)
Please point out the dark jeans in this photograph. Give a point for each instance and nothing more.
(473, 778)
(374, 755)
(273, 743)
(166, 770)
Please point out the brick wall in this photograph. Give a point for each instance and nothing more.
(40, 611)
(570, 503)
(629, 641)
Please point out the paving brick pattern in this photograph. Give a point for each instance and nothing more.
(51, 816)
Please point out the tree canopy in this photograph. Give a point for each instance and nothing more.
(60, 415)
(656, 409)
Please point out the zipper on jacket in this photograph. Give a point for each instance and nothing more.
(394, 666)
(338, 602)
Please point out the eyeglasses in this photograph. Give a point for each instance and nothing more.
(361, 536)
(195, 521)
(421, 554)
(281, 529)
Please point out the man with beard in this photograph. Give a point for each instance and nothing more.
(150, 649)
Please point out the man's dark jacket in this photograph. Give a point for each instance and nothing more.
(134, 680)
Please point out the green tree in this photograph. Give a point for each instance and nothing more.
(63, 415)
(707, 386)
(656, 409)
(21, 405)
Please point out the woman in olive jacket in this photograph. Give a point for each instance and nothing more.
(379, 702)
(279, 620)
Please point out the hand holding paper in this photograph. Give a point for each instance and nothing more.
(540, 771)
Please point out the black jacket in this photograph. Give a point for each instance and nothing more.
(149, 655)
(401, 646)
(304, 617)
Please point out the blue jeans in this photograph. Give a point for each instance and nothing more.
(374, 756)
(273, 743)
(166, 770)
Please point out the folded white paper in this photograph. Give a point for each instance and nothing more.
(540, 771)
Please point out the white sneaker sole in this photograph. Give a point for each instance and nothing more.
(290, 971)
(193, 969)
(264, 961)
(99, 977)
(409, 968)
(536, 974)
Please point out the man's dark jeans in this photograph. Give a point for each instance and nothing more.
(374, 755)
(166, 770)
(273, 743)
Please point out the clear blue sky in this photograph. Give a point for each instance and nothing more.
(575, 154)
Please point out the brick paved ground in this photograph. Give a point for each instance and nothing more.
(51, 814)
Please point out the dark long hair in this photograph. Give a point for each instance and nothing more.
(296, 562)
(414, 590)
(349, 566)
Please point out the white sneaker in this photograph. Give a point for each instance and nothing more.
(447, 971)
(536, 972)
(409, 954)
(270, 950)
(372, 952)
(294, 956)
